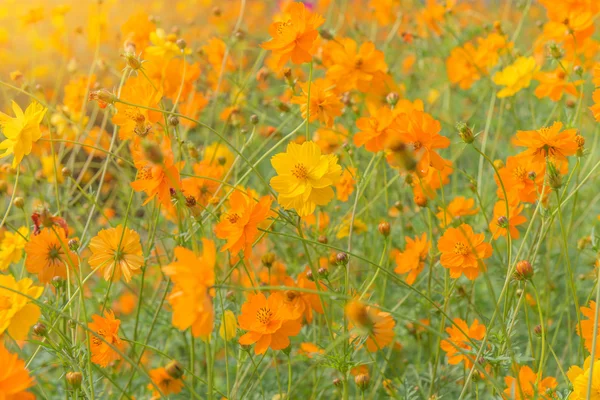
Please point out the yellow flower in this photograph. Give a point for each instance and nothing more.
(21, 131)
(116, 251)
(580, 378)
(17, 313)
(48, 164)
(516, 76)
(358, 226)
(228, 329)
(304, 177)
(218, 154)
(164, 45)
(11, 247)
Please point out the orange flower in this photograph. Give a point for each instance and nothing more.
(105, 333)
(48, 255)
(458, 344)
(354, 68)
(269, 322)
(204, 185)
(412, 259)
(421, 130)
(330, 140)
(239, 225)
(345, 186)
(461, 67)
(376, 129)
(324, 105)
(548, 142)
(554, 84)
(310, 349)
(529, 386)
(463, 251)
(14, 378)
(294, 36)
(321, 217)
(157, 177)
(522, 180)
(587, 328)
(117, 251)
(501, 223)
(137, 30)
(190, 299)
(302, 303)
(596, 107)
(135, 120)
(165, 382)
(371, 323)
(458, 207)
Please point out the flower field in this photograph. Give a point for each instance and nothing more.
(328, 199)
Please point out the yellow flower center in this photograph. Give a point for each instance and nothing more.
(54, 252)
(145, 173)
(300, 171)
(264, 315)
(461, 248)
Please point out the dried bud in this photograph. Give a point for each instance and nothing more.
(74, 379)
(384, 228)
(66, 172)
(342, 258)
(40, 329)
(19, 202)
(362, 381)
(174, 369)
(73, 244)
(465, 133)
(523, 270)
(190, 201)
(268, 259)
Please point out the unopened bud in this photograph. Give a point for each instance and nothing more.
(254, 119)
(181, 44)
(362, 381)
(40, 329)
(325, 34)
(74, 379)
(465, 133)
(392, 98)
(173, 120)
(268, 259)
(73, 244)
(66, 172)
(523, 270)
(309, 276)
(384, 228)
(323, 272)
(342, 258)
(322, 239)
(174, 369)
(19, 202)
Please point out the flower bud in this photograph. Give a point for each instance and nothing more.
(174, 369)
(74, 379)
(342, 258)
(384, 228)
(578, 70)
(40, 329)
(181, 44)
(362, 381)
(538, 330)
(498, 164)
(66, 172)
(325, 34)
(173, 120)
(392, 98)
(502, 222)
(254, 119)
(57, 282)
(524, 270)
(73, 244)
(268, 259)
(337, 382)
(19, 202)
(103, 97)
(465, 133)
(322, 239)
(309, 276)
(323, 272)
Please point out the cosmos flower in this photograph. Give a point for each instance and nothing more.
(463, 251)
(117, 252)
(21, 131)
(17, 312)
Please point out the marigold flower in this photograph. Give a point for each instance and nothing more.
(529, 386)
(461, 67)
(522, 179)
(554, 84)
(48, 255)
(345, 187)
(304, 177)
(14, 379)
(104, 333)
(358, 226)
(239, 224)
(11, 247)
(376, 130)
(17, 312)
(412, 259)
(165, 382)
(301, 303)
(463, 251)
(293, 37)
(21, 131)
(269, 322)
(324, 105)
(516, 76)
(190, 299)
(458, 345)
(373, 324)
(116, 251)
(310, 350)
